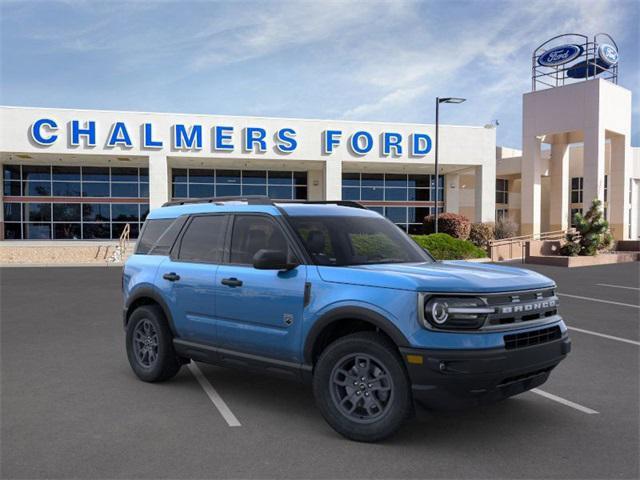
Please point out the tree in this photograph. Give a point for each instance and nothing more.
(591, 235)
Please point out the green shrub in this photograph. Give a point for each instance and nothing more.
(458, 226)
(445, 247)
(592, 233)
(481, 234)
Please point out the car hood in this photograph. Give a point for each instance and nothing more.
(446, 276)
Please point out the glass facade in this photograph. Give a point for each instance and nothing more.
(199, 182)
(414, 196)
(76, 202)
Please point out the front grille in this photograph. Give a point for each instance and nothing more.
(535, 337)
(517, 307)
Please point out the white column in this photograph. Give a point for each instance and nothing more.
(619, 186)
(333, 179)
(593, 166)
(158, 180)
(485, 192)
(531, 173)
(452, 192)
(559, 204)
(315, 185)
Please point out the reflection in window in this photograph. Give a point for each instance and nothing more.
(200, 183)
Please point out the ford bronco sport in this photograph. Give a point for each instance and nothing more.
(337, 295)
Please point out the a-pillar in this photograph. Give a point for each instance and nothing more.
(618, 191)
(158, 180)
(531, 185)
(485, 192)
(333, 179)
(559, 169)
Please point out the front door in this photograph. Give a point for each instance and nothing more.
(188, 279)
(259, 311)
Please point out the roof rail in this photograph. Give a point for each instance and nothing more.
(250, 199)
(262, 200)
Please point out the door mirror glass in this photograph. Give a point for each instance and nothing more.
(272, 260)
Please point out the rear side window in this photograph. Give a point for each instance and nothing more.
(168, 238)
(203, 241)
(151, 232)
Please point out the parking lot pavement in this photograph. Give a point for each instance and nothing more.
(71, 407)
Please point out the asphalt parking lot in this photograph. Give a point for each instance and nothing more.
(71, 407)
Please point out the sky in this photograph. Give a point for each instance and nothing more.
(345, 60)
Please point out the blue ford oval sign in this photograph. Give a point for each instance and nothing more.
(608, 54)
(560, 55)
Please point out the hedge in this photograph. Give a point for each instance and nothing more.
(458, 226)
(445, 247)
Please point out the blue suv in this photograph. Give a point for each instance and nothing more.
(336, 295)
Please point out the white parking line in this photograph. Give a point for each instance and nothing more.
(616, 286)
(599, 300)
(213, 395)
(603, 335)
(564, 401)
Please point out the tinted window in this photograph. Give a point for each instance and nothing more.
(168, 238)
(204, 239)
(151, 232)
(353, 240)
(252, 233)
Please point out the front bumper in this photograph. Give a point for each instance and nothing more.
(459, 378)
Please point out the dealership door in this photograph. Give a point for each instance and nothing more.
(259, 312)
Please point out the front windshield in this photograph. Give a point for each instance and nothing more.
(354, 240)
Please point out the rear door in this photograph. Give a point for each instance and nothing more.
(188, 277)
(259, 311)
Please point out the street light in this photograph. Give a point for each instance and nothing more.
(438, 102)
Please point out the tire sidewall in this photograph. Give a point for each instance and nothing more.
(384, 352)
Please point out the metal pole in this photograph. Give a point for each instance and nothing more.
(436, 153)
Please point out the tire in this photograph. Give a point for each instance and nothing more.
(383, 403)
(152, 356)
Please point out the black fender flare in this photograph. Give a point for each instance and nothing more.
(351, 313)
(151, 293)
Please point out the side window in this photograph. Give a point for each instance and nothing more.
(151, 232)
(252, 233)
(317, 239)
(203, 241)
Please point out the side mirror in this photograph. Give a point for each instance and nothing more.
(272, 260)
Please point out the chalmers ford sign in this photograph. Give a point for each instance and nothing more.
(220, 138)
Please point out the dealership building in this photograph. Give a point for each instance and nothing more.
(85, 174)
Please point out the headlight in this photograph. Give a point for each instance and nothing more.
(456, 312)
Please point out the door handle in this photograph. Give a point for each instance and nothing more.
(231, 282)
(172, 277)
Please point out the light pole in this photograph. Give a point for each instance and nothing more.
(438, 102)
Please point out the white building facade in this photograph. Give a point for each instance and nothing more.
(84, 174)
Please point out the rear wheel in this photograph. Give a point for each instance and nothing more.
(361, 387)
(150, 345)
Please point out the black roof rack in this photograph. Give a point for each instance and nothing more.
(262, 200)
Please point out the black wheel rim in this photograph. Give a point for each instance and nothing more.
(145, 343)
(361, 388)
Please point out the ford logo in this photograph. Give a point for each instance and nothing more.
(608, 54)
(560, 55)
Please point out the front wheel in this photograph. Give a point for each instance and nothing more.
(361, 387)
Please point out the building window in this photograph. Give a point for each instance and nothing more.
(199, 183)
(502, 191)
(502, 214)
(576, 189)
(408, 190)
(77, 202)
